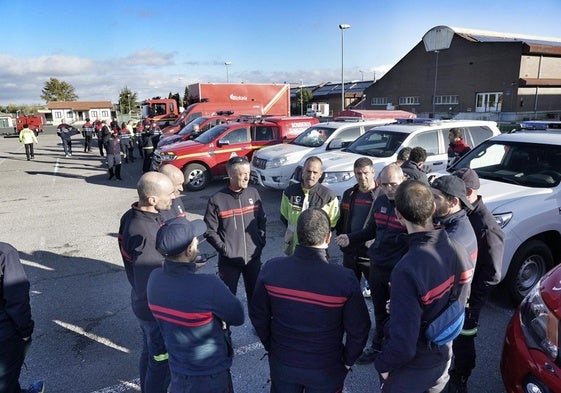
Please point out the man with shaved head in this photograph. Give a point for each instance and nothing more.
(177, 178)
(137, 243)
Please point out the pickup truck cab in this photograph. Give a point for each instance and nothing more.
(205, 157)
(273, 166)
(204, 123)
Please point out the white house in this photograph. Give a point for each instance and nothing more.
(77, 111)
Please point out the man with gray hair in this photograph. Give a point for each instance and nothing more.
(236, 227)
(302, 308)
(177, 178)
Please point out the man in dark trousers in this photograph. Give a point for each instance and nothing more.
(388, 247)
(87, 133)
(356, 212)
(65, 132)
(137, 243)
(490, 248)
(310, 315)
(192, 311)
(16, 325)
(421, 288)
(236, 227)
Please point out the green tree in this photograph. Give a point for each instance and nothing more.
(127, 101)
(55, 90)
(186, 99)
(177, 99)
(303, 96)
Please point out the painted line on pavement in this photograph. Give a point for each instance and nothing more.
(126, 386)
(91, 336)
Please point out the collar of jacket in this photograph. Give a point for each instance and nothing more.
(172, 266)
(309, 253)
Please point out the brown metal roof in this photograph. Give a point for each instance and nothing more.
(79, 105)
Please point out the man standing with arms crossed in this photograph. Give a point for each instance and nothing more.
(137, 243)
(236, 228)
(298, 197)
(356, 212)
(303, 307)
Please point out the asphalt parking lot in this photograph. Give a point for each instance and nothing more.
(62, 214)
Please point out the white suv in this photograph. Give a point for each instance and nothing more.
(520, 174)
(382, 144)
(273, 166)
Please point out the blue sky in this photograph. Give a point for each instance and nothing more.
(154, 47)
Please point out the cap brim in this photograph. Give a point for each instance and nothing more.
(199, 227)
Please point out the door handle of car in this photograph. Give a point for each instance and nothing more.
(437, 163)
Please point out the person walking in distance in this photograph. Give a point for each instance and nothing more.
(192, 311)
(356, 212)
(298, 197)
(236, 225)
(137, 243)
(65, 132)
(114, 159)
(27, 137)
(310, 315)
(87, 133)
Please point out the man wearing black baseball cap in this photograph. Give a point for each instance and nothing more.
(450, 198)
(193, 311)
(490, 248)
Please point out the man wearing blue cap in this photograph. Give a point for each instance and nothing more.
(193, 312)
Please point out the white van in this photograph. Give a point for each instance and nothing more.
(273, 166)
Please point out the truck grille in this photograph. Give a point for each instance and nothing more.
(259, 163)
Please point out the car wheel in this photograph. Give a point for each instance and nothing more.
(196, 177)
(530, 262)
(532, 385)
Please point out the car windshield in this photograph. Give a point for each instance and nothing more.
(377, 143)
(527, 164)
(211, 134)
(189, 127)
(314, 136)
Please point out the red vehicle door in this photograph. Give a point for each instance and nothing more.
(234, 142)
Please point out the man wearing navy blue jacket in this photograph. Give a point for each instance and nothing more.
(193, 312)
(301, 309)
(421, 284)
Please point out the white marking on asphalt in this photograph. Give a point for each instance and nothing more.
(37, 265)
(125, 386)
(55, 171)
(91, 336)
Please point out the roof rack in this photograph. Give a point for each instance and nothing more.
(418, 120)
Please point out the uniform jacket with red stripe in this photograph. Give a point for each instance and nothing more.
(302, 306)
(391, 242)
(459, 229)
(421, 285)
(190, 309)
(236, 225)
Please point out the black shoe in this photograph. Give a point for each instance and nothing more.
(458, 382)
(368, 356)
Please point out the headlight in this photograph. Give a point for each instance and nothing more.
(169, 156)
(539, 326)
(337, 177)
(275, 162)
(503, 219)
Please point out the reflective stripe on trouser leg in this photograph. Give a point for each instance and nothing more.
(162, 357)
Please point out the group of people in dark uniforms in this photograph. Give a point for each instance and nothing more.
(404, 235)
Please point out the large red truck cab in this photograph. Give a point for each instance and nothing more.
(161, 110)
(34, 123)
(205, 157)
(241, 98)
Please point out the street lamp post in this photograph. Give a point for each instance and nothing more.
(227, 64)
(361, 75)
(343, 27)
(301, 98)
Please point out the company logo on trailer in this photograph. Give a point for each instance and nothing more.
(234, 97)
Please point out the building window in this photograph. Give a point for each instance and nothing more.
(104, 113)
(94, 114)
(446, 100)
(379, 101)
(58, 115)
(408, 100)
(489, 102)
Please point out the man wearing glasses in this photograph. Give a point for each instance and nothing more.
(236, 228)
(389, 246)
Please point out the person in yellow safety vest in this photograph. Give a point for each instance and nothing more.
(27, 137)
(298, 197)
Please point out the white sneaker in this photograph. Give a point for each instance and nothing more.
(366, 292)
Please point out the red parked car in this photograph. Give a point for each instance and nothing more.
(531, 361)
